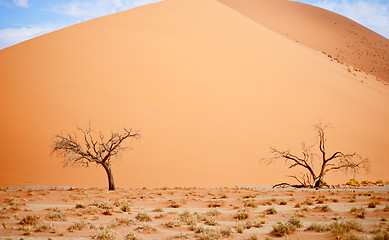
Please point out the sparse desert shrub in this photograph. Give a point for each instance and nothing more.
(80, 205)
(30, 220)
(161, 215)
(78, 225)
(27, 230)
(215, 204)
(282, 202)
(107, 212)
(198, 228)
(271, 211)
(248, 224)
(308, 202)
(105, 234)
(249, 196)
(340, 229)
(225, 232)
(381, 236)
(365, 182)
(175, 222)
(252, 237)
(298, 205)
(12, 205)
(239, 227)
(283, 229)
(295, 222)
(214, 212)
(361, 213)
(146, 228)
(380, 181)
(242, 214)
(353, 182)
(57, 215)
(250, 203)
(318, 227)
(158, 210)
(386, 208)
(143, 217)
(132, 236)
(211, 221)
(351, 236)
(372, 204)
(325, 208)
(120, 222)
(125, 207)
(267, 203)
(102, 205)
(208, 234)
(174, 204)
(41, 227)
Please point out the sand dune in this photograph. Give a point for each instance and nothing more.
(209, 88)
(347, 41)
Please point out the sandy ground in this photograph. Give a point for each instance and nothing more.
(187, 213)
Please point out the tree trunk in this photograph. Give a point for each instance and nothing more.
(111, 183)
(318, 183)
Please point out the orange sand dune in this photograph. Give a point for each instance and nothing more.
(341, 38)
(209, 88)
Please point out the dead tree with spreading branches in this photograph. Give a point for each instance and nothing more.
(314, 177)
(85, 146)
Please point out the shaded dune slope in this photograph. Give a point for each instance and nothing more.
(209, 88)
(343, 39)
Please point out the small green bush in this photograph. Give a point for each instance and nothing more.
(353, 182)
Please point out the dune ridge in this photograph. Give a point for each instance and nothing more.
(210, 93)
(337, 36)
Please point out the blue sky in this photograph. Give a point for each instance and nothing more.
(24, 19)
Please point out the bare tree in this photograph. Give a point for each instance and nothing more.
(328, 162)
(85, 146)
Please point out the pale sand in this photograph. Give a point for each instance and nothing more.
(196, 201)
(209, 88)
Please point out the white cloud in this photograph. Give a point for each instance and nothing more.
(20, 3)
(373, 14)
(97, 8)
(12, 36)
(79, 9)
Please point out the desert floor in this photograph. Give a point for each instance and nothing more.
(194, 213)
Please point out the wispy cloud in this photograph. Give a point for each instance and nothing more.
(74, 11)
(373, 14)
(20, 3)
(96, 8)
(11, 36)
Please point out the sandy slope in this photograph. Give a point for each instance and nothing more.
(209, 88)
(322, 30)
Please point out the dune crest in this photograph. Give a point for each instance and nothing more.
(339, 37)
(209, 92)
